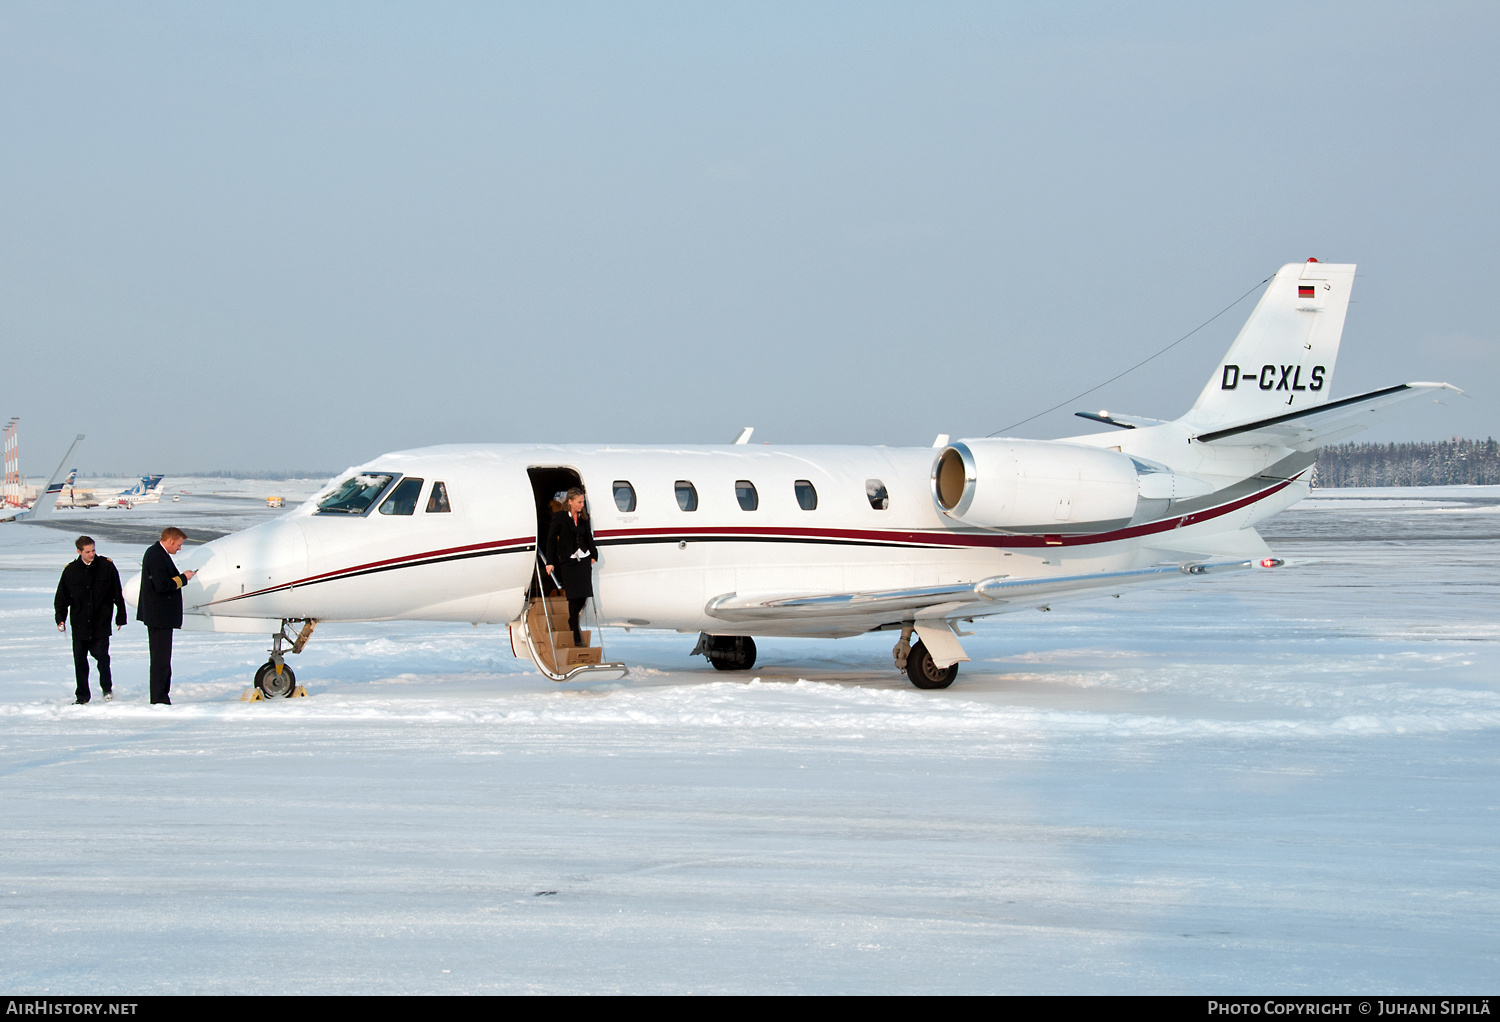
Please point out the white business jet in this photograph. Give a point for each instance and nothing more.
(736, 541)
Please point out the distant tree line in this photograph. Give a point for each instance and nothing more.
(1451, 462)
(271, 475)
(268, 474)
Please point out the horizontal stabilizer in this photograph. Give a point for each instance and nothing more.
(1311, 428)
(1123, 421)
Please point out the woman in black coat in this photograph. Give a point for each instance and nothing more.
(571, 555)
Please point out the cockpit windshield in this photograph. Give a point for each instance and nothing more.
(354, 495)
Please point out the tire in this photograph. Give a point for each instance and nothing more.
(924, 673)
(732, 653)
(272, 685)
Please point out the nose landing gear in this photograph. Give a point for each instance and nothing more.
(274, 679)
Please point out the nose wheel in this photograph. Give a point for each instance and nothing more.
(275, 684)
(275, 679)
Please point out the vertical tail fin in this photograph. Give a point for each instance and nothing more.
(1283, 358)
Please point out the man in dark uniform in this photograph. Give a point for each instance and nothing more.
(160, 607)
(89, 590)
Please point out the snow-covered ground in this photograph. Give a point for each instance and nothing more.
(1280, 782)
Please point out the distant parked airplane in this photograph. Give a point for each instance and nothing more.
(147, 491)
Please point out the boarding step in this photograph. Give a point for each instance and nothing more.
(573, 656)
(564, 640)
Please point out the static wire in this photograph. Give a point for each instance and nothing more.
(1148, 358)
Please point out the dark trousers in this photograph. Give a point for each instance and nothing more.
(575, 607)
(98, 648)
(160, 640)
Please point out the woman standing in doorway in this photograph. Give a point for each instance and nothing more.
(571, 555)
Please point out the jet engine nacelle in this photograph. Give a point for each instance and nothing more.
(1035, 486)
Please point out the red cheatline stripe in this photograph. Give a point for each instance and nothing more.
(413, 557)
(953, 539)
(389, 562)
(852, 536)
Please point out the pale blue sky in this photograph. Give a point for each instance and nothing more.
(268, 235)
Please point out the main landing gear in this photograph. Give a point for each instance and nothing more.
(737, 653)
(917, 662)
(275, 680)
(924, 673)
(726, 652)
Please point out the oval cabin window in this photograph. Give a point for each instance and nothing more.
(876, 493)
(687, 495)
(744, 492)
(624, 496)
(807, 497)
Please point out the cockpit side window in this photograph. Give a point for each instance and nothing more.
(437, 501)
(354, 495)
(403, 499)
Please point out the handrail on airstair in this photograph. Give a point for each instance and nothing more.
(600, 672)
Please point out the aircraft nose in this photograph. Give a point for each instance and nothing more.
(268, 556)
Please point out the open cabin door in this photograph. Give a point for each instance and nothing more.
(543, 627)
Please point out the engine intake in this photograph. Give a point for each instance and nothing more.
(1035, 486)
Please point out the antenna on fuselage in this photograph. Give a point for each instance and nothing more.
(744, 437)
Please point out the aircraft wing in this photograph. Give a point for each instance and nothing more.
(994, 595)
(1313, 427)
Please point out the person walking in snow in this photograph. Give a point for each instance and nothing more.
(88, 590)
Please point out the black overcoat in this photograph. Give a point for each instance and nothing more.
(564, 539)
(160, 604)
(87, 593)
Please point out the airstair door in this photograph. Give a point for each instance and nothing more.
(544, 625)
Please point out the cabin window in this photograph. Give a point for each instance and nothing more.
(437, 501)
(687, 495)
(807, 497)
(744, 492)
(354, 495)
(878, 497)
(624, 496)
(403, 499)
